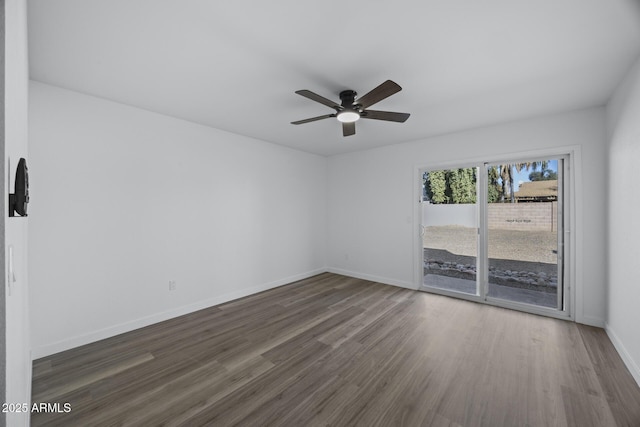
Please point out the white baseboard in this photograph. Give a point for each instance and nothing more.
(385, 280)
(624, 354)
(48, 349)
(591, 321)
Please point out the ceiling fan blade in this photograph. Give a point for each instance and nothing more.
(348, 129)
(321, 99)
(385, 115)
(383, 91)
(313, 119)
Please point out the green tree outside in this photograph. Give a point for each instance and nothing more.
(457, 186)
(543, 175)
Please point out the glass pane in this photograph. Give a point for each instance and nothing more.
(450, 229)
(523, 231)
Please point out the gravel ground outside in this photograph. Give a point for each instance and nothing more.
(531, 246)
(517, 259)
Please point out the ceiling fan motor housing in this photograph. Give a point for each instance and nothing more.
(348, 98)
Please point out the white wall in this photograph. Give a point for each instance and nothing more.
(623, 316)
(124, 200)
(18, 359)
(371, 196)
(465, 215)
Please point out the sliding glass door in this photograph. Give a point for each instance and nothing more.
(450, 230)
(524, 232)
(494, 233)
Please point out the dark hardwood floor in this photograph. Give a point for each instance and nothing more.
(333, 350)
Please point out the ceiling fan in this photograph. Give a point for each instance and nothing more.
(351, 109)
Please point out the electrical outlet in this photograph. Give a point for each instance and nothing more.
(172, 285)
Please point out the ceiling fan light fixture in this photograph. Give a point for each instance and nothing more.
(351, 110)
(348, 116)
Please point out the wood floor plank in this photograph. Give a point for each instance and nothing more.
(323, 404)
(343, 332)
(584, 409)
(235, 406)
(284, 350)
(341, 351)
(362, 407)
(313, 379)
(618, 385)
(199, 393)
(64, 386)
(118, 392)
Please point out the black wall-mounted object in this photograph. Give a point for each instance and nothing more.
(19, 200)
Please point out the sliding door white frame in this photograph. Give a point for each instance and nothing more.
(566, 220)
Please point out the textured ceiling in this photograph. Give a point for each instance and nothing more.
(235, 65)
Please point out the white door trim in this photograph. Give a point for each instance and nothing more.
(572, 219)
